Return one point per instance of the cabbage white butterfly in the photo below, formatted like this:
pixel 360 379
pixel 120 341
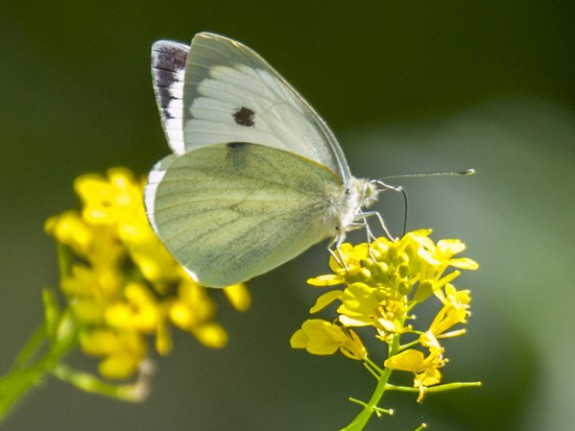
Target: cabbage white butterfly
pixel 256 177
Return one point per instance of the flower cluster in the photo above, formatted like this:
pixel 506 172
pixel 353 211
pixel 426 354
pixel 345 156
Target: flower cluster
pixel 121 284
pixel 383 282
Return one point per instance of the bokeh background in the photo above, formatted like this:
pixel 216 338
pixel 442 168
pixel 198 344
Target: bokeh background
pixel 408 86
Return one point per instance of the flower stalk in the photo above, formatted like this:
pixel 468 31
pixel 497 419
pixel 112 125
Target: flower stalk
pixel 32 366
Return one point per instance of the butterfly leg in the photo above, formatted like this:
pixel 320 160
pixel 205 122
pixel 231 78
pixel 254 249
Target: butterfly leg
pixel 365 215
pixel 369 234
pixel 337 255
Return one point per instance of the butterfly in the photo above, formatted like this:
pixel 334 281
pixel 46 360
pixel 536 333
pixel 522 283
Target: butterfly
pixel 256 176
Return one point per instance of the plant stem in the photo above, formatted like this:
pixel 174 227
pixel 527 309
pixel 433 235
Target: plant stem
pixel 30 370
pixel 371 406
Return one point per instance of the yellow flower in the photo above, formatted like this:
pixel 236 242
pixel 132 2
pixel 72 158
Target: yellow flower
pixel 122 351
pixel 320 337
pixel 449 247
pixel 362 305
pixel 437 259
pixel 192 310
pixel 382 282
pixel 426 369
pixel 455 310
pixel 156 264
pixel 70 229
pixel 84 281
pixel 108 200
pixel 137 310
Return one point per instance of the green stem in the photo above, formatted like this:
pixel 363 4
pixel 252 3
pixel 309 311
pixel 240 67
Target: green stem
pixel 30 349
pixel 370 408
pixel 29 370
pixel 131 392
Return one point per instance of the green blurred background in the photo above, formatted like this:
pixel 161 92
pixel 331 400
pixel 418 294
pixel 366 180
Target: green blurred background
pixel 408 86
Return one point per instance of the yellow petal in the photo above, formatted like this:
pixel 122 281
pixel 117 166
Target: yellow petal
pixel 464 263
pixel 298 340
pixel 408 360
pixel 326 280
pixel 211 335
pixel 450 246
pixel 325 299
pixel 239 296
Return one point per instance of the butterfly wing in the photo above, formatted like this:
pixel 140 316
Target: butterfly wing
pixel 229 212
pixel 231 94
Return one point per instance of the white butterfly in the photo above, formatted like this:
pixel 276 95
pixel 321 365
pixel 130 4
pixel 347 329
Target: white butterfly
pixel 256 176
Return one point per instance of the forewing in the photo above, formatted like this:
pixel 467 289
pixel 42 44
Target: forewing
pixel 168 66
pixel 231 212
pixel 232 94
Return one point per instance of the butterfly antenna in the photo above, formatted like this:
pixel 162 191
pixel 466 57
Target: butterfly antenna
pixel 465 172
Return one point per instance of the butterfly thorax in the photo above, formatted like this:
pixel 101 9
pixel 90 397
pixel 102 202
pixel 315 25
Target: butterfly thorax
pixel 359 193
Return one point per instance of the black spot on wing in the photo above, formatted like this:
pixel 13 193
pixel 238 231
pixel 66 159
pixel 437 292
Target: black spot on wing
pixel 244 117
pixel 236 145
